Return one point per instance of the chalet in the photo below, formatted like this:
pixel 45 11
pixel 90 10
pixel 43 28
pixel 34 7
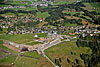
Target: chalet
pixel 91 34
pixel 42 31
pixel 42 39
pixel 72 33
pixel 84 35
pixel 40 19
pixel 11 32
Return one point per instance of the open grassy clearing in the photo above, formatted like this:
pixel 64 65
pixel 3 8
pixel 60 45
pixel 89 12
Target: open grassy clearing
pixel 22 14
pixel 21 38
pixel 63 51
pixel 5 65
pixel 17 3
pixel 26 9
pixel 57 2
pixel 36 60
pixel 92 6
pixel 33 54
pixel 13 15
pixel 2 53
pixel 34 43
pixel 8 14
pixel 69 24
pixel 3 5
pixel 31 62
pixel 42 15
pixel 25 62
pixel 88 6
pixel 8 60
pixel 97 4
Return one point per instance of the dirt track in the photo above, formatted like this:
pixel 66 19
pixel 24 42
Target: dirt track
pixel 11 47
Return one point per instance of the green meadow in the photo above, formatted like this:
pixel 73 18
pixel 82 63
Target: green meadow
pixel 63 51
pixel 21 38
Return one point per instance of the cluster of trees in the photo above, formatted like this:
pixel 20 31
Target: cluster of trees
pixel 96 20
pixel 75 63
pixel 56 13
pixel 1 29
pixel 18 11
pixel 98 28
pixel 92 59
pixel 57 61
pixel 1 1
pixel 1 17
pixel 90 0
pixel 6 2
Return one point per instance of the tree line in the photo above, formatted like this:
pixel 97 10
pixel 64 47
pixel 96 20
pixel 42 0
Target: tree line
pixel 92 58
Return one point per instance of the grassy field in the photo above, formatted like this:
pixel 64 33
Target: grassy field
pixel 3 5
pixel 17 3
pixel 8 14
pixel 33 59
pixel 91 6
pixel 25 62
pixel 42 15
pixel 69 24
pixel 31 62
pixel 21 38
pixel 8 60
pixel 57 2
pixel 33 54
pixel 63 51
pixel 26 9
pixel 36 60
pixel 34 43
pixel 88 6
pixel 95 4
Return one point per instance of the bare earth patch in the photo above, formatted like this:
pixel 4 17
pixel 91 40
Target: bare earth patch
pixel 71 17
pixel 43 62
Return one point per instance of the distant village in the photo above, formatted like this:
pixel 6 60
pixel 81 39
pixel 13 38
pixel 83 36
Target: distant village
pixel 22 25
pixel 28 23
pixel 33 4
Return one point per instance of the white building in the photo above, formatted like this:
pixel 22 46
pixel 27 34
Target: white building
pixel 35 36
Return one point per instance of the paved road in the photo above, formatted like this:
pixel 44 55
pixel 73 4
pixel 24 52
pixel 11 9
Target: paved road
pixel 55 42
pixel 46 46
